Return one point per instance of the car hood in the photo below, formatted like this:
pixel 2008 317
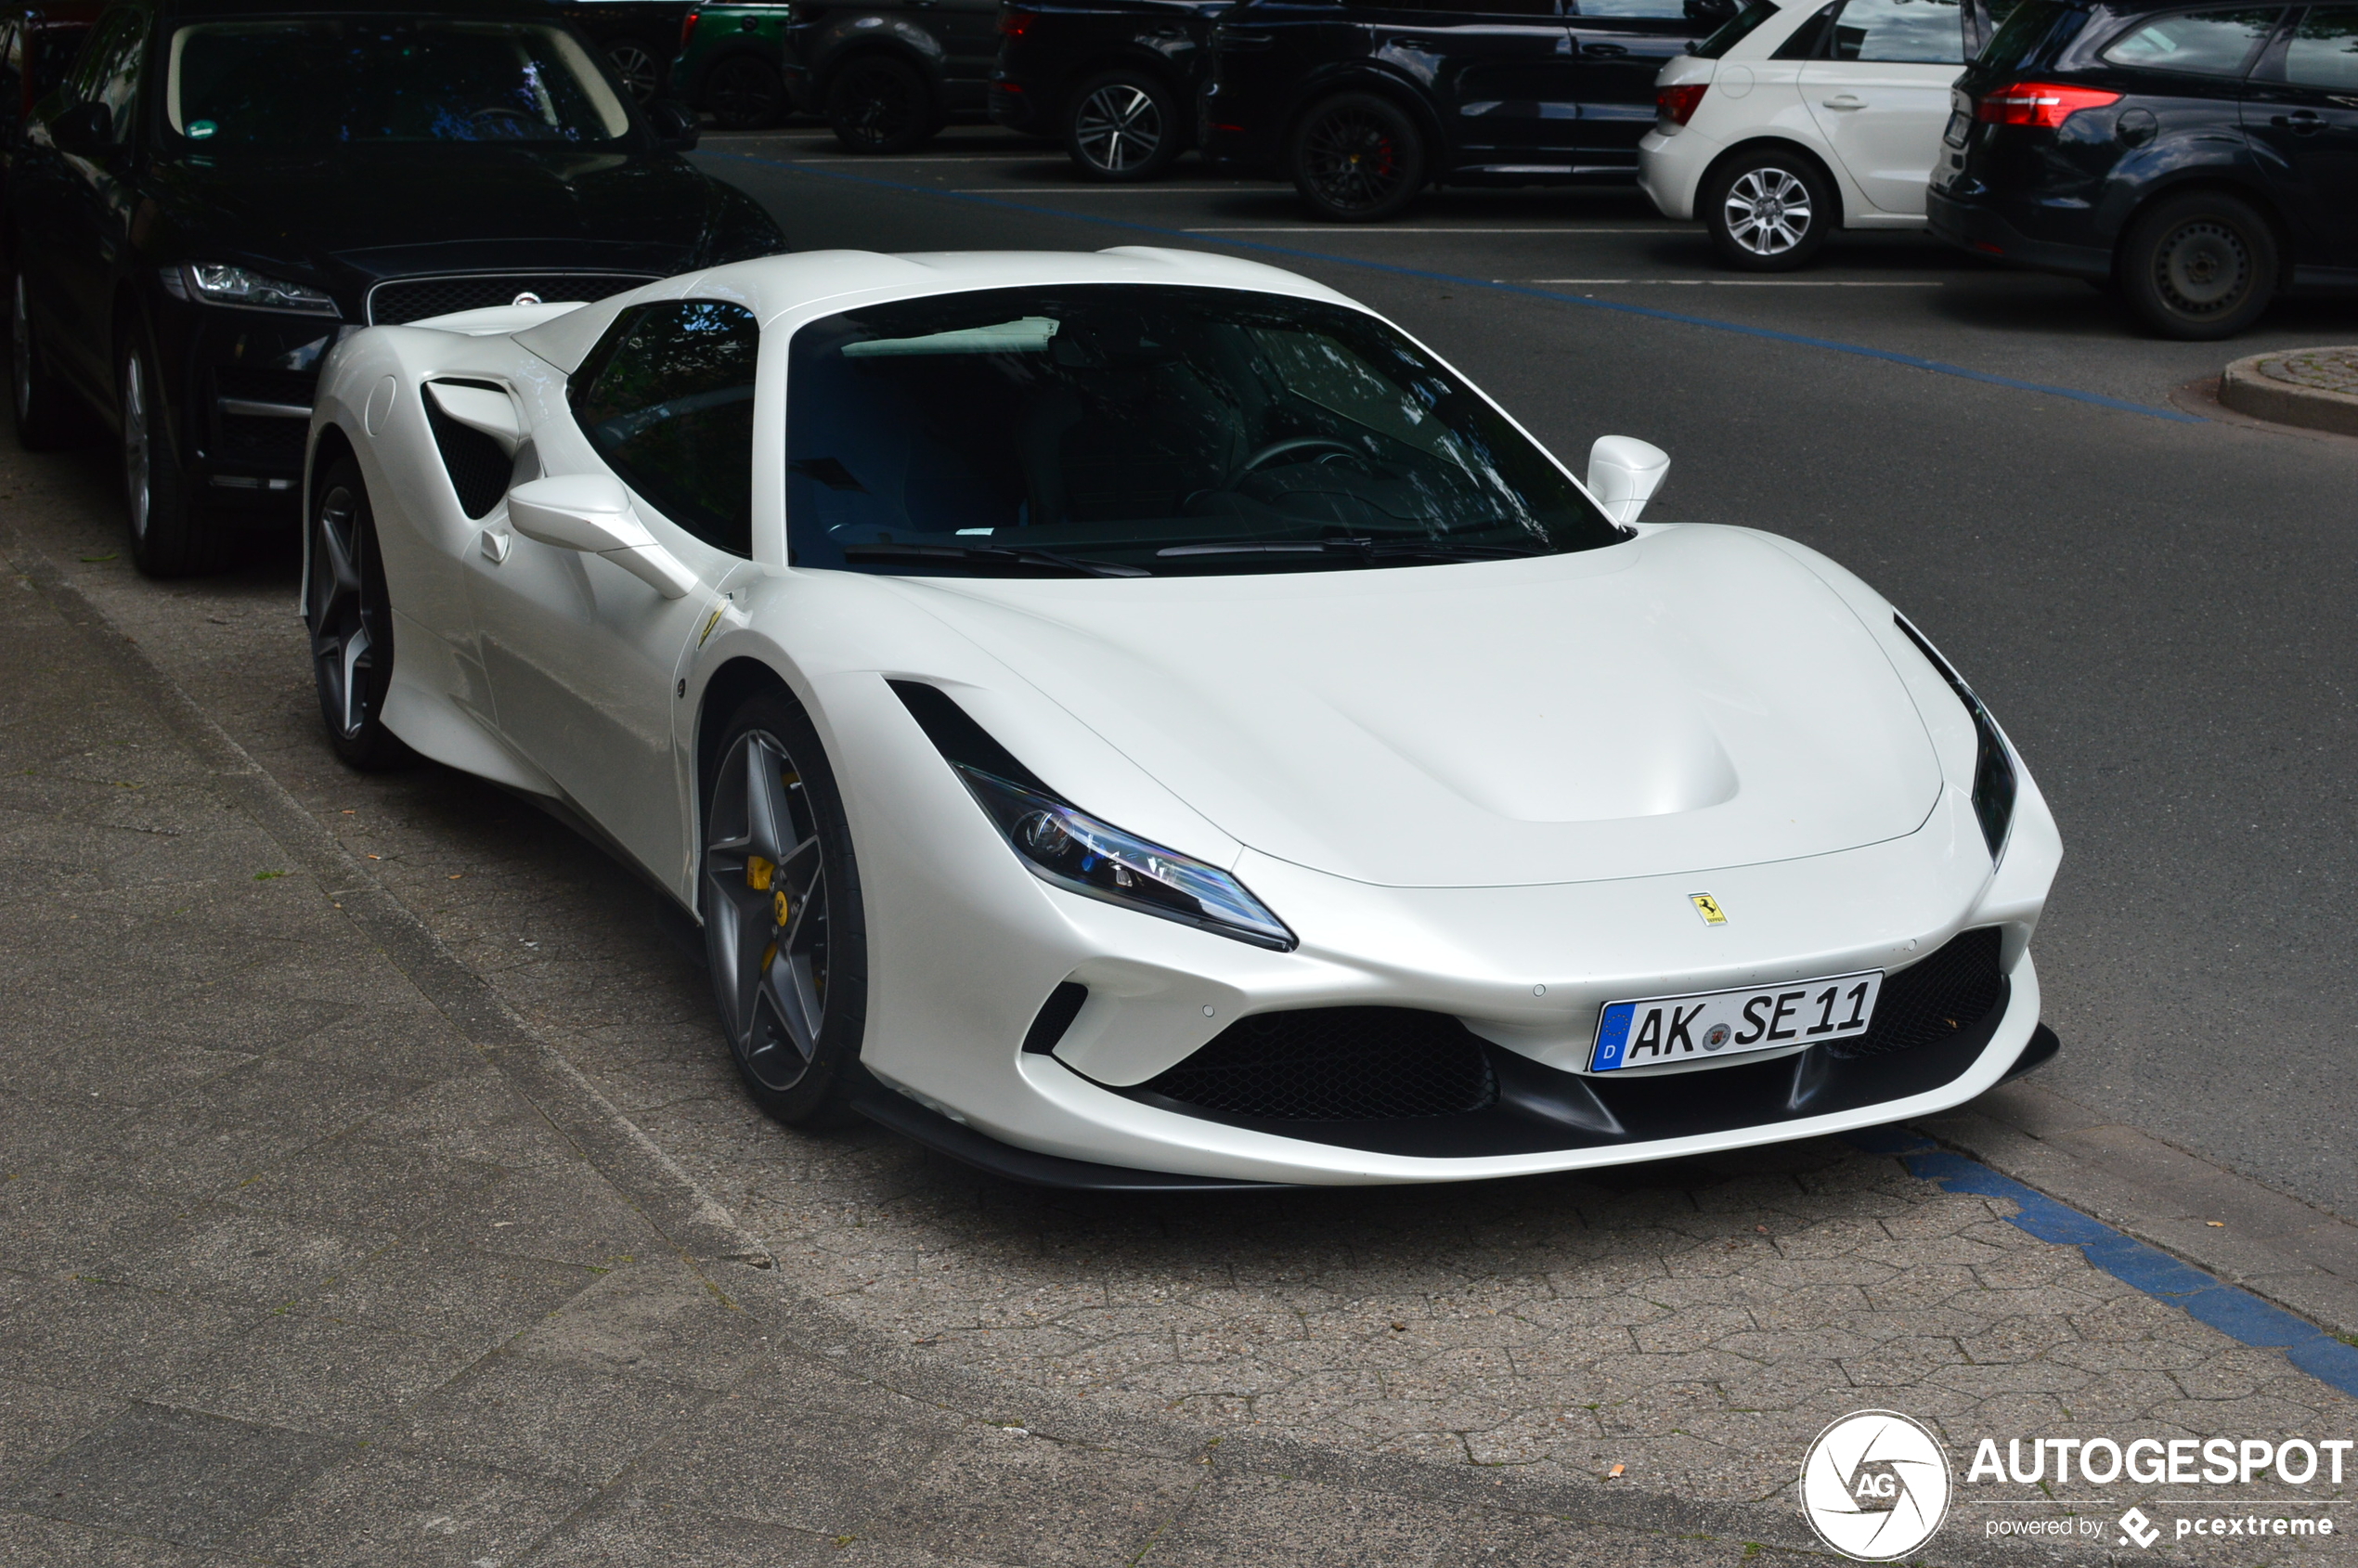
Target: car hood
pixel 1690 699
pixel 388 211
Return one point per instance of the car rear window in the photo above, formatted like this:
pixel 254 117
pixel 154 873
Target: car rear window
pixel 2324 52
pixel 2205 42
pixel 2035 31
pixel 1734 31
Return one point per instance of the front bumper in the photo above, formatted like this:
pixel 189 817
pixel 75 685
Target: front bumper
pixel 242 384
pixel 1977 227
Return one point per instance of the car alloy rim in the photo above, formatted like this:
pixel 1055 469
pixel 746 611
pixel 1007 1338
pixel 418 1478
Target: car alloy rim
pixel 880 106
pixel 20 349
pixel 2204 269
pixel 636 67
pixel 1350 160
pixel 1768 211
pixel 347 617
pixel 741 92
pixel 1118 127
pixel 765 911
pixel 139 458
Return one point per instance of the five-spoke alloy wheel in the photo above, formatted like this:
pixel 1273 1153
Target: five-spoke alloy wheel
pixel 350 615
pixel 1122 126
pixel 171 537
pixel 1767 212
pixel 780 895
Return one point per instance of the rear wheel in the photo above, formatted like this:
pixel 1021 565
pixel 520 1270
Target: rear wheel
pixel 1123 126
pixel 879 104
pixel 785 935
pixel 1357 158
pixel 634 59
pixel 350 615
pixel 745 93
pixel 171 535
pixel 1769 210
pixel 2199 266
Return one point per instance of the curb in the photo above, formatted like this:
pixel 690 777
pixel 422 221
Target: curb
pixel 2247 389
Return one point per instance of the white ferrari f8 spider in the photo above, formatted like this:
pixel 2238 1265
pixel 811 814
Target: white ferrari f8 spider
pixel 1142 722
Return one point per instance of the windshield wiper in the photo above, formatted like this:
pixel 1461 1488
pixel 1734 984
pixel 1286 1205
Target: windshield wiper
pixel 991 555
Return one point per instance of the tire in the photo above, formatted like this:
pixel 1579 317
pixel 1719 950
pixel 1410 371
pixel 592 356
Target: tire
pixel 635 61
pixel 47 417
pixel 784 934
pixel 1357 158
pixel 878 104
pixel 171 535
pixel 1122 125
pixel 349 610
pixel 745 93
pixel 2198 267
pixel 1768 210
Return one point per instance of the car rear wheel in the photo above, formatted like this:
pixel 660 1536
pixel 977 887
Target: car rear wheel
pixel 745 93
pixel 1768 211
pixel 171 537
pixel 785 936
pixel 879 104
pixel 350 613
pixel 47 417
pixel 2199 266
pixel 635 61
pixel 1123 126
pixel 1357 158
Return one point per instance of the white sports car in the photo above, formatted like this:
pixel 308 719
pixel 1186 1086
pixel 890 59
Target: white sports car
pixel 1140 720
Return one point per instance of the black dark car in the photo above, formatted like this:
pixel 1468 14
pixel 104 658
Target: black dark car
pixel 218 190
pixel 1363 103
pixel 2199 159
pixel 37 42
pixel 1114 80
pixel 637 37
pixel 887 76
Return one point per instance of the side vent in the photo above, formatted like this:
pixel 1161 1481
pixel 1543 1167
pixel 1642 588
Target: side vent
pixel 1056 1017
pixel 478 467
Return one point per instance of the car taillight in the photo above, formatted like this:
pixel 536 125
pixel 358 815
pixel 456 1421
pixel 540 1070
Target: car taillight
pixel 2044 105
pixel 688 28
pixel 1677 104
pixel 1014 21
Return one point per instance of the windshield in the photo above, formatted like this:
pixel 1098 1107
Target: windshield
pixel 1122 429
pixel 297 84
pixel 1734 31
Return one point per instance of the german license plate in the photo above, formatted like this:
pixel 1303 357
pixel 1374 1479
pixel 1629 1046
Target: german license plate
pixel 1959 124
pixel 1714 1025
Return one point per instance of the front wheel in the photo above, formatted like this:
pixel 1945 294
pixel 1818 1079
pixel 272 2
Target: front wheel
pixel 1769 210
pixel 1123 126
pixel 2198 267
pixel 879 104
pixel 46 415
pixel 637 63
pixel 171 537
pixel 784 934
pixel 745 93
pixel 349 611
pixel 1357 158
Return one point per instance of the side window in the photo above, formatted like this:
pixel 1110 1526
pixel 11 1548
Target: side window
pixel 2205 42
pixel 1900 33
pixel 667 399
pixel 1808 41
pixel 1658 10
pixel 50 50
pixel 107 69
pixel 1465 7
pixel 11 75
pixel 2323 52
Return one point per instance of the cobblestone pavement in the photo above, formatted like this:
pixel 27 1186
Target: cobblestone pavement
pixel 357 1177
pixel 2326 369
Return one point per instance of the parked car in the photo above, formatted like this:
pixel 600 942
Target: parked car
pixel 1363 103
pixel 1114 80
pixel 219 190
pixel 1110 715
pixel 1794 121
pixel 637 37
pixel 37 42
pixel 734 66
pixel 2199 160
pixel 887 76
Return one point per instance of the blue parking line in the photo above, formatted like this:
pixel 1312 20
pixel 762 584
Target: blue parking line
pixel 2235 1311
pixel 1834 345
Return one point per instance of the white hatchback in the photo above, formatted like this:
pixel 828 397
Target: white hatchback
pixel 1793 119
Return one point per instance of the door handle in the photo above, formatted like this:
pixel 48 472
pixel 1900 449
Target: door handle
pixel 2300 121
pixel 1845 101
pixel 1604 51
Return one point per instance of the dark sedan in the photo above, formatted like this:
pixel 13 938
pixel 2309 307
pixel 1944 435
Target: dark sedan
pixel 1114 80
pixel 218 190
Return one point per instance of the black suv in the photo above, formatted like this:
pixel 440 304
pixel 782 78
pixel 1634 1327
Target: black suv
pixel 221 187
pixel 887 76
pixel 1362 103
pixel 1114 80
pixel 2199 159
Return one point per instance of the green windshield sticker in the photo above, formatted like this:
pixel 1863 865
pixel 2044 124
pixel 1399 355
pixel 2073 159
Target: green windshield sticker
pixel 200 129
pixel 1027 335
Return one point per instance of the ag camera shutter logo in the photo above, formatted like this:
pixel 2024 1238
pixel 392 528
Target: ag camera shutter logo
pixel 1875 1486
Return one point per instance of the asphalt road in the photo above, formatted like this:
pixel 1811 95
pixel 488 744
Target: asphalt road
pixel 2152 598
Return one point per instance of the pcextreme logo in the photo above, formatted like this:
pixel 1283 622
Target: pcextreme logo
pixel 1875 1486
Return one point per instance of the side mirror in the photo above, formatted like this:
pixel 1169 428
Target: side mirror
pixel 84 130
pixel 675 125
pixel 1623 473
pixel 591 512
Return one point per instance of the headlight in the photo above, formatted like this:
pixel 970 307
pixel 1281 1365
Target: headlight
pixel 1993 771
pixel 235 285
pixel 1063 845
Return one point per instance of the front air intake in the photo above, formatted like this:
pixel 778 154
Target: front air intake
pixel 1935 999
pixel 1334 1064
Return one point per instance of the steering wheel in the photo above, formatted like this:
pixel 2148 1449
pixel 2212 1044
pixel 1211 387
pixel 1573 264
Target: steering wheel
pixel 1298 444
pixel 502 111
